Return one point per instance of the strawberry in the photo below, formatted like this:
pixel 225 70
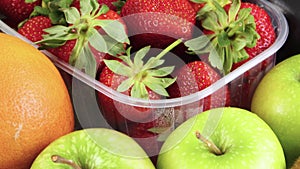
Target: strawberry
pixel 243 31
pixel 90 36
pixel 265 30
pixel 64 52
pixel 136 79
pixel 33 28
pixel 243 93
pixel 16 11
pixel 158 22
pixel 196 76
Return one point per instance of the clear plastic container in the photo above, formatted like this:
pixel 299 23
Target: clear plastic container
pixel 162 116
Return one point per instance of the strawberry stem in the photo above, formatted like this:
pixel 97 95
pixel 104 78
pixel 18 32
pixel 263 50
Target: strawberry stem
pixel 169 48
pixel 59 159
pixel 211 146
pixel 162 53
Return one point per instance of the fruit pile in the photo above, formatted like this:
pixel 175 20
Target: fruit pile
pixel 151 50
pixel 100 37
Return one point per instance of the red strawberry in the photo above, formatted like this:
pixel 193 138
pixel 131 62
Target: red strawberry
pixel 33 28
pixel 17 11
pixel 136 79
pixel 265 30
pixel 64 52
pixel 244 90
pixel 88 39
pixel 194 77
pixel 237 38
pixel 158 22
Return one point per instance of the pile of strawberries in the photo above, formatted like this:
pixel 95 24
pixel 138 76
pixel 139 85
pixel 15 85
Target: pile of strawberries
pixel 114 41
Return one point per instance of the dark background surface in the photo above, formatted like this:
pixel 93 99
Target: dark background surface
pixel 291 10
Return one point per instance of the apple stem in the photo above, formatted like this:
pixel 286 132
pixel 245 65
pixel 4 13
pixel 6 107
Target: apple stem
pixel 59 159
pixel 212 147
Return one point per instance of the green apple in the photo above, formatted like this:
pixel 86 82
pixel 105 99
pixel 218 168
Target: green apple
pixel 94 148
pixel 277 101
pixel 240 140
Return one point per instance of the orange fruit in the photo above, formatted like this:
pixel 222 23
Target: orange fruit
pixel 35 106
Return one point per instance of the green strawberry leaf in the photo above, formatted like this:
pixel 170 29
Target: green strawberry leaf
pixel 140 54
pixel 114 29
pixel 209 5
pixel 91 65
pixel 158 85
pixel 228 59
pixel 233 10
pixel 40 10
pixel 53 44
pixel 86 62
pixel 139 91
pixel 126 58
pixel 114 48
pixel 86 7
pixel 53 9
pixel 216 58
pixel 223 39
pixel 125 85
pixel 103 9
pixel 52 40
pixel 153 62
pixel 56 30
pixel 161 72
pixel 211 22
pixel 72 15
pixel 98 42
pixel 30 1
pixel 60 3
pixel 118 67
pixel 221 14
pixel 198 43
pixel 57 18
